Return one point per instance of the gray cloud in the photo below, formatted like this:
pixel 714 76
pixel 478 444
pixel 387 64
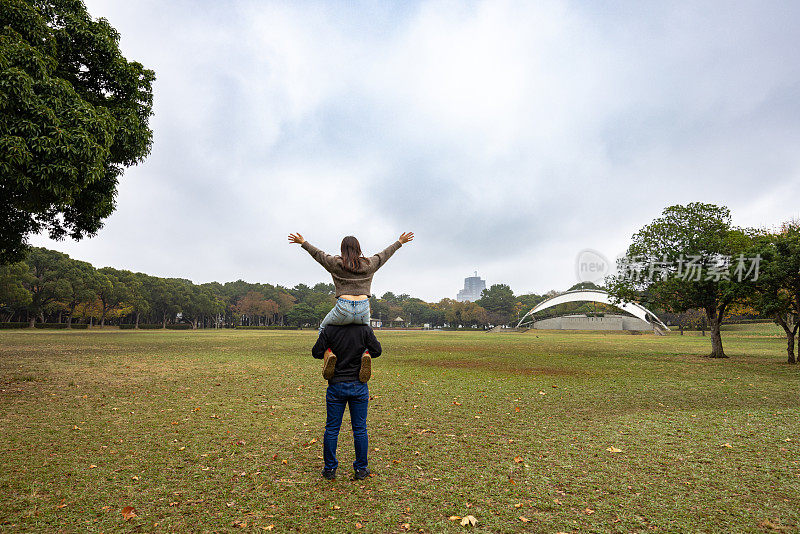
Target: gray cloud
pixel 507 135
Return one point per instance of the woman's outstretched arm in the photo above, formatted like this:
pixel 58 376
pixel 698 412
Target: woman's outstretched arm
pixel 326 260
pixel 382 257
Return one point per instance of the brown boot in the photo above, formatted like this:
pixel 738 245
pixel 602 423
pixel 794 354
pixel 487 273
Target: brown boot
pixel 328 364
pixel 366 367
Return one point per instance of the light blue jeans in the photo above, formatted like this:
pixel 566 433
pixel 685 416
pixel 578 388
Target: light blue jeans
pixel 347 312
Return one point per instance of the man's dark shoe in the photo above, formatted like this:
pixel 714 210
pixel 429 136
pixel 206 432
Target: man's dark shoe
pixel 328 364
pixel 361 474
pixel 366 367
pixel 329 474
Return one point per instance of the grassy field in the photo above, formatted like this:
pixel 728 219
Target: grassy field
pixel 221 431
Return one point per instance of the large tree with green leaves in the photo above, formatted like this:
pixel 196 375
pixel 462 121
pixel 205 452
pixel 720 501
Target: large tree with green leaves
pixel 499 302
pixel 14 295
pixel 73 114
pixel 677 262
pixel 778 286
pixel 81 285
pixel 45 282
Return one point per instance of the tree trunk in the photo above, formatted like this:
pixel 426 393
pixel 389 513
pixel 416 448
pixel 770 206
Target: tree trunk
pixel 715 320
pixel 137 320
pixel 32 320
pixel 790 329
pixel 164 324
pixel 194 324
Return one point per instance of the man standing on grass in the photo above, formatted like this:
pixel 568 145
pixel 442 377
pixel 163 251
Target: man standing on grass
pixel 345 387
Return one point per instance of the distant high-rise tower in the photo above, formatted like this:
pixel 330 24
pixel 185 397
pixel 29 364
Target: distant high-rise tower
pixel 473 287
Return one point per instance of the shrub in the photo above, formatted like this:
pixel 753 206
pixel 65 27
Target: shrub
pixel 56 326
pixel 14 325
pixel 150 326
pixel 179 326
pixel 79 326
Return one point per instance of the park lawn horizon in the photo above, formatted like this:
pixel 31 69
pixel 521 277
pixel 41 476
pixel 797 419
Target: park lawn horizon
pixel 221 430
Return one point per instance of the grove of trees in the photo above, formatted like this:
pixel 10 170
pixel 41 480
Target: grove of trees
pixel 50 287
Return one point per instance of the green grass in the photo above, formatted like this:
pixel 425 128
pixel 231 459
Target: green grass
pixel 204 431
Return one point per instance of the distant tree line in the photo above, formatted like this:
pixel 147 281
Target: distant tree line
pixel 50 287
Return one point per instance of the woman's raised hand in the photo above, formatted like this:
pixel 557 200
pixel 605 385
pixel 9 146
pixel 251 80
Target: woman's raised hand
pixel 405 237
pixel 296 238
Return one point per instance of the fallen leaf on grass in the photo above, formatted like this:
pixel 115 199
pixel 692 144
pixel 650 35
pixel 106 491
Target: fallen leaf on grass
pixel 524 519
pixel 128 513
pixel 62 505
pixel 454 517
pixel 134 477
pixel 468 520
pixel 285 462
pixel 727 445
pixel 766 523
pixel 240 524
pixel 268 527
pixel 589 511
pixel 359 525
pixel 518 459
pixel 613 449
pixel 518 505
pixel 92 466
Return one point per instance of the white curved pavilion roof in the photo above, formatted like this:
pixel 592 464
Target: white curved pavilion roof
pixel 596 295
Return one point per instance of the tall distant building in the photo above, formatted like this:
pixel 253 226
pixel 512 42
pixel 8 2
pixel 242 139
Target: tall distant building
pixel 473 287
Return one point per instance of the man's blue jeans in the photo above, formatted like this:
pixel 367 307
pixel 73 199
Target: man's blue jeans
pixel 356 394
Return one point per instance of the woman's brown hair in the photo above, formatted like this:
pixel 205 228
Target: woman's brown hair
pixel 351 254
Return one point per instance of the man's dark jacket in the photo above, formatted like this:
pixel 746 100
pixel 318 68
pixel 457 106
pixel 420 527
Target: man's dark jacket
pixel 348 343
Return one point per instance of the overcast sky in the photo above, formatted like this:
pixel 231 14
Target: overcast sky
pixel 507 135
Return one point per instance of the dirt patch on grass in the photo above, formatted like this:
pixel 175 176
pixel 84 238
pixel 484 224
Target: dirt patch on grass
pixel 501 367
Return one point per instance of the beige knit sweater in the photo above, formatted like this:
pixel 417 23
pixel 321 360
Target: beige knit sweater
pixel 348 282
